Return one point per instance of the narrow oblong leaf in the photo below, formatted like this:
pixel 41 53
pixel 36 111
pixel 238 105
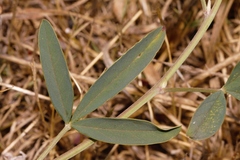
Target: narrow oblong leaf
pixel 124 131
pixel 55 71
pixel 232 86
pixel 122 72
pixel 209 117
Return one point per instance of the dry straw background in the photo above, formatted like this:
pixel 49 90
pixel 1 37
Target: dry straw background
pixel 95 33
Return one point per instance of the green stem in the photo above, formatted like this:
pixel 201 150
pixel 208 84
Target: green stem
pixel 206 90
pixel 74 151
pixel 158 88
pixel 204 6
pixel 139 103
pixel 203 28
pixel 66 128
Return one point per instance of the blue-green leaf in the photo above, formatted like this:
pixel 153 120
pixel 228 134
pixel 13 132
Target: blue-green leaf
pixel 232 86
pixel 209 117
pixel 124 131
pixel 122 72
pixel 55 71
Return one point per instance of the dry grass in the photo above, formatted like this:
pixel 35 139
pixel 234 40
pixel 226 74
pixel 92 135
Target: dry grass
pixel 85 29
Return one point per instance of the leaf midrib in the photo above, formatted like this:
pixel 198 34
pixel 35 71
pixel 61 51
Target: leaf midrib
pixel 92 100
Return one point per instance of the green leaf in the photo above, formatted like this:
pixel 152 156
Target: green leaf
pixel 55 71
pixel 124 131
pixel 122 72
pixel 209 117
pixel 232 86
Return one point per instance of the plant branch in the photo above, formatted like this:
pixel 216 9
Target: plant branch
pixel 66 128
pixel 74 151
pixel 204 6
pixel 206 90
pixel 158 88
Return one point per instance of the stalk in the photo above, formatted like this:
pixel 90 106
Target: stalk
pixel 66 128
pixel 159 87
